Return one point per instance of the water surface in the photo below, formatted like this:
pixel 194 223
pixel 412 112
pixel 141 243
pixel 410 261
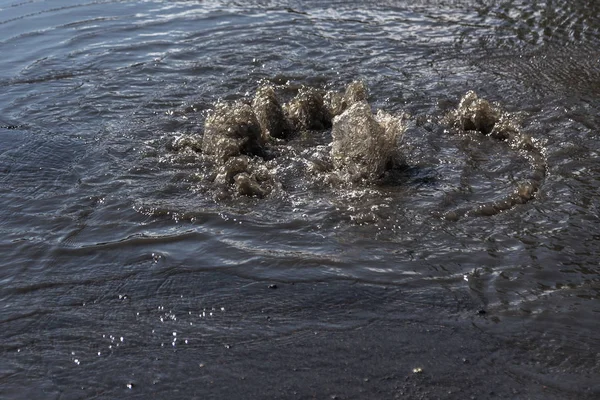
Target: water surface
pixel 124 276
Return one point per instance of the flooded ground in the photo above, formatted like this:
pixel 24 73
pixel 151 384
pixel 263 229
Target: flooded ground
pixel 464 265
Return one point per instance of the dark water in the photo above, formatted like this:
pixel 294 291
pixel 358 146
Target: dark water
pixel 123 275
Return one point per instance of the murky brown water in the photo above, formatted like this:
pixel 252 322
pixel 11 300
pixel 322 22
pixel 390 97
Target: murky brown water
pixel 127 273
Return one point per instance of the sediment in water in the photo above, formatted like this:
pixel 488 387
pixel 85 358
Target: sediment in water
pixel 183 142
pixel 233 139
pixel 336 103
pixel 307 111
pixel 363 144
pixel 269 114
pixel 474 114
pixel 232 130
pixel 240 137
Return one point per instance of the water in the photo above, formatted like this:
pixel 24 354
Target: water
pixel 126 273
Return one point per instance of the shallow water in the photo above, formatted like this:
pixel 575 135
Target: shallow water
pixel 124 275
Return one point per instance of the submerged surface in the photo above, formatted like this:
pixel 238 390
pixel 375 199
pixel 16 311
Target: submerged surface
pixel 127 272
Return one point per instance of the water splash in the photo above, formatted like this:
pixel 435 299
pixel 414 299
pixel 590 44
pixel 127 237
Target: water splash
pixel 476 115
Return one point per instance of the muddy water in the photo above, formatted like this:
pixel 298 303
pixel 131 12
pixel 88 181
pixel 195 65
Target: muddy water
pixel 128 272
